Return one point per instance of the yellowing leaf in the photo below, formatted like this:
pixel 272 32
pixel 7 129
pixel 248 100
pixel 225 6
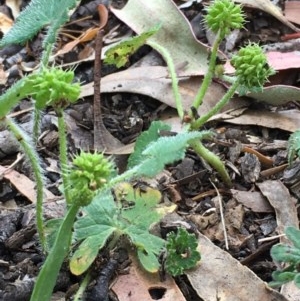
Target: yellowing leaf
pixel 87 251
pixel 119 54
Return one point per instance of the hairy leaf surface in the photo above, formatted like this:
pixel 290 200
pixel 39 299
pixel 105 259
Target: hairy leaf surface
pixel 146 137
pixel 103 219
pixel 166 150
pixel 37 15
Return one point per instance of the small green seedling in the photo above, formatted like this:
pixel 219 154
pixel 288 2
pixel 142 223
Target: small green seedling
pixel 182 253
pixel 294 146
pixel 289 255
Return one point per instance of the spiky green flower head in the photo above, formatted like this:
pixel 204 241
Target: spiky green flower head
pixel 90 172
pixel 54 86
pixel 224 15
pixel 252 69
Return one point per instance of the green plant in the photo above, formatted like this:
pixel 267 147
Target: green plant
pixel 182 253
pixel 38 14
pixel 251 73
pixel 293 146
pixel 38 85
pixel 88 181
pixel 104 221
pixel 290 256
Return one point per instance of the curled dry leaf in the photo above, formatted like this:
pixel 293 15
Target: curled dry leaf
pixel 270 8
pixel 89 34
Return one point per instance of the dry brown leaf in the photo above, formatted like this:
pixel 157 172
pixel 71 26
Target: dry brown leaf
pixel 285 120
pixel 292 11
pixel 14 5
pixel 283 60
pixel 221 277
pixel 138 284
pixel 253 200
pixel 284 205
pixel 23 184
pixel 89 34
pixel 268 7
pixel 286 215
pixel 3 75
pixel 154 81
pixel 175 34
pixel 5 23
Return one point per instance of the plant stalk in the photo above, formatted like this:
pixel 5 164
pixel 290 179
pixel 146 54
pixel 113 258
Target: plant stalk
pixel 36 125
pixel 63 153
pixel 197 124
pixel 211 159
pixel 166 55
pixel 48 274
pixel 210 72
pixel 30 152
pixel 85 282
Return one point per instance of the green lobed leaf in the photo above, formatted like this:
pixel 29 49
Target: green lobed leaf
pixel 102 218
pixel 283 276
pixel 149 261
pixel 285 253
pixel 87 251
pixel 146 137
pixel 97 216
pixel 293 234
pixel 143 213
pixel 297 280
pixel 144 240
pixel 50 228
pixel 166 150
pixel 37 15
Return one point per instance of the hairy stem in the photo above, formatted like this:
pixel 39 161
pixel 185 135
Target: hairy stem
pixel 63 153
pixel 13 95
pixel 30 152
pixel 85 282
pixel 36 124
pixel 225 99
pixel 48 274
pixel 210 72
pixel 166 55
pixel 211 159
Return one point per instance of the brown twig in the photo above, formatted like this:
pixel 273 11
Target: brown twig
pixel 99 143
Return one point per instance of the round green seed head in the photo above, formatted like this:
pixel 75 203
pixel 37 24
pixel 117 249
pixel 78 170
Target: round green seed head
pixel 224 15
pixel 54 85
pixel 90 172
pixel 252 69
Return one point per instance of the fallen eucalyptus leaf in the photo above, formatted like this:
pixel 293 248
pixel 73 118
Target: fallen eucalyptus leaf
pixel 221 277
pixel 175 33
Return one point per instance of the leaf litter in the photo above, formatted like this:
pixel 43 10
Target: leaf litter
pixel 155 82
